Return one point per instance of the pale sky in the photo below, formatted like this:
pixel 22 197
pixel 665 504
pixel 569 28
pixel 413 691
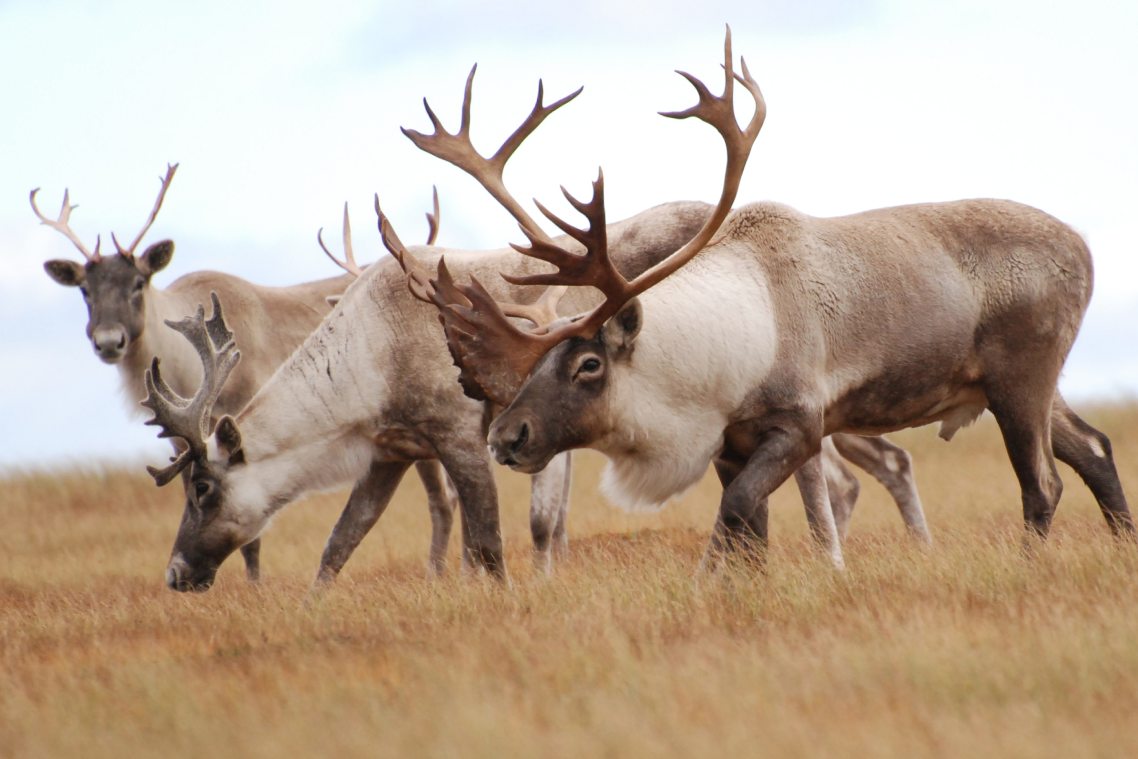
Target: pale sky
pixel 279 112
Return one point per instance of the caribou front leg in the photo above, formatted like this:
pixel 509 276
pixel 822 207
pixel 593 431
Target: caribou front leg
pixel 778 453
pixel 365 506
pixel 892 466
pixel 812 485
pixel 549 506
pixel 251 552
pixel 441 502
pixel 469 469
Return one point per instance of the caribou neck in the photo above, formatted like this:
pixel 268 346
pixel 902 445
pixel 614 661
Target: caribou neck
pixel 687 375
pixel 180 364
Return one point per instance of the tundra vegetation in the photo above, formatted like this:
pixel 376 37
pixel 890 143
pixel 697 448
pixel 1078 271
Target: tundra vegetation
pixel 967 648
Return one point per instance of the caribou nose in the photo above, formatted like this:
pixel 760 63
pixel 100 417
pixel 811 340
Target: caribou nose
pixel 506 440
pixel 176 573
pixel 109 342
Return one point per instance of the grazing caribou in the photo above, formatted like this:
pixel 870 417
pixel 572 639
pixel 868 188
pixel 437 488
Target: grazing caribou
pixel 772 329
pixel 369 392
pixel 125 324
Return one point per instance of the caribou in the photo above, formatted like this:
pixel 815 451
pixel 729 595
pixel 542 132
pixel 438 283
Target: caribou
pixel 367 394
pixel 771 329
pixel 126 313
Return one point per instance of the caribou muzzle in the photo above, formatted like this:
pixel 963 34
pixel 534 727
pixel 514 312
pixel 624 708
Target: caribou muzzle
pixel 180 576
pixel 512 441
pixel 109 343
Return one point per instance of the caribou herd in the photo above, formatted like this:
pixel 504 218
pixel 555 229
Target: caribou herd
pixel 757 339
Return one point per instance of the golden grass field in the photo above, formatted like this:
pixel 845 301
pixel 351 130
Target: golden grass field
pixel 967 649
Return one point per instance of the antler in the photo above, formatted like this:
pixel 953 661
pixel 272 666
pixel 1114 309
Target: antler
pixel 129 252
pixel 457 149
pixel 189 419
pixel 349 263
pixel 432 217
pixel 63 225
pixel 485 344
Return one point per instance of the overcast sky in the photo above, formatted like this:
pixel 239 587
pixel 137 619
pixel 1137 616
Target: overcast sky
pixel 279 112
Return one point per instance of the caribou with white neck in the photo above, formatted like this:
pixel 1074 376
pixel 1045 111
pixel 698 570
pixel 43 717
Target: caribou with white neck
pixel 772 329
pixel 368 393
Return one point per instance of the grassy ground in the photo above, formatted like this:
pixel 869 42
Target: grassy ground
pixel 966 649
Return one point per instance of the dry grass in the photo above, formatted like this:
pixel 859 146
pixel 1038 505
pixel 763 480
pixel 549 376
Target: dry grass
pixel 967 649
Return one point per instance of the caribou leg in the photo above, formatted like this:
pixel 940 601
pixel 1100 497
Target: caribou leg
pixel 251 553
pixel 812 485
pixel 741 527
pixel 365 506
pixel 1025 424
pixel 441 503
pixel 841 485
pixel 1088 452
pixel 549 506
pixel 892 466
pixel 469 469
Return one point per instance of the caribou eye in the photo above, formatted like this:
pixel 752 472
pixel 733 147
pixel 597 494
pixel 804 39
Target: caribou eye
pixel 138 285
pixel 202 489
pixel 588 369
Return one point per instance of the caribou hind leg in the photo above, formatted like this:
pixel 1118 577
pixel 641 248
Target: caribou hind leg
pixel 549 506
pixel 1025 423
pixel 365 506
pixel 1088 452
pixel 892 466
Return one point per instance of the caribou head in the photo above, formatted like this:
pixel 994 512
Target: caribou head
pixel 208 533
pixel 114 287
pixel 557 379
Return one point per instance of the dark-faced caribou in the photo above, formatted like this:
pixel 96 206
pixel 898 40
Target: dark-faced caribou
pixel 497 384
pixel 369 392
pixel 772 329
pixel 126 315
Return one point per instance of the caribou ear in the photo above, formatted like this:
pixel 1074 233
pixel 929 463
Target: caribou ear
pixel 621 330
pixel 229 440
pixel 156 257
pixel 66 273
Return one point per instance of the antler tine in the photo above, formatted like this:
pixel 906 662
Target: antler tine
pixel 418 281
pixel 349 264
pixel 542 312
pixel 593 268
pixel 63 224
pixel 433 217
pixel 128 252
pixel 494 355
pixel 457 149
pixel 719 112
pixel 189 419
